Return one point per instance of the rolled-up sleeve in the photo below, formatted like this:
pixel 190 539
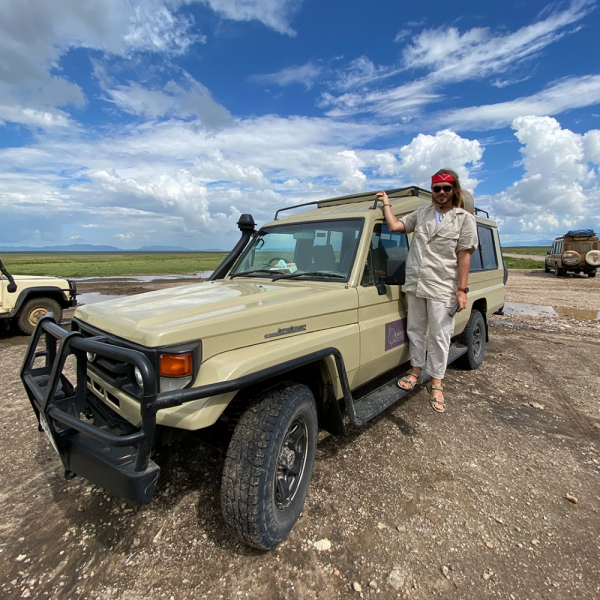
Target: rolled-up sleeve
pixel 467 239
pixel 410 221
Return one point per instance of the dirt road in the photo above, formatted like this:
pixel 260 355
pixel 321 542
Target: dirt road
pixel 530 256
pixel 467 505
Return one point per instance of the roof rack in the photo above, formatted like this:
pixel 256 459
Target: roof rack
pixel 480 210
pixel 362 197
pixel 580 233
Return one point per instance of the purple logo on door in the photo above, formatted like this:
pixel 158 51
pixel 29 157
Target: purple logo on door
pixel 395 334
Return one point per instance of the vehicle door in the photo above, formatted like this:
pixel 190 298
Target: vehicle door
pixel 381 318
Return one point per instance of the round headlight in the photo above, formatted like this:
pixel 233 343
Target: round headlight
pixel 91 357
pixel 138 378
pixel 570 258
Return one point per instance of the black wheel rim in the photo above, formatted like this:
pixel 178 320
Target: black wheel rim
pixel 477 339
pixel 291 462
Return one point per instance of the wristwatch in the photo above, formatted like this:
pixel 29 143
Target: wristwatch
pixel 465 290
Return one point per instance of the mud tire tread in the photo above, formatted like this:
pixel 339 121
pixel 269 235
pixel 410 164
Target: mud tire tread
pixel 469 360
pixel 247 502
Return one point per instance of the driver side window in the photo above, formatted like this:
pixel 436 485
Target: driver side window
pixel 384 245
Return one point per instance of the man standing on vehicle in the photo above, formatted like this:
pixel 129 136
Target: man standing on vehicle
pixel 437 270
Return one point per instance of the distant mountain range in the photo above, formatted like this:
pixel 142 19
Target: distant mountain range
pixel 94 248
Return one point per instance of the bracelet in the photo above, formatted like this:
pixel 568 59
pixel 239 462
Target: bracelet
pixel 386 205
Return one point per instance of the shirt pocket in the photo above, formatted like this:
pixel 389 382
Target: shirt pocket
pixel 445 243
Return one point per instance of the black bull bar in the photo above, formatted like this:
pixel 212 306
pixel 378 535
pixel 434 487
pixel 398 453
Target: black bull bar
pixel 119 462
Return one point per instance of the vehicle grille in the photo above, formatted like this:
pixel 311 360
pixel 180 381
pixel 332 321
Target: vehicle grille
pixel 116 373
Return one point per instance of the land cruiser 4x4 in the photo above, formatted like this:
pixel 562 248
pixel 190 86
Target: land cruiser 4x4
pixel 25 299
pixel 303 326
pixel 577 251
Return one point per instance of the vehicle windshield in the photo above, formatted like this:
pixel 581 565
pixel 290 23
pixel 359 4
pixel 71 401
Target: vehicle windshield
pixel 320 249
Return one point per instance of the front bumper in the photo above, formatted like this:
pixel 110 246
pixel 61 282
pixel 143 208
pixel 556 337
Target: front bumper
pixel 91 439
pixel 95 442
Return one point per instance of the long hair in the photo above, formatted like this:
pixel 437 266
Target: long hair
pixel 457 197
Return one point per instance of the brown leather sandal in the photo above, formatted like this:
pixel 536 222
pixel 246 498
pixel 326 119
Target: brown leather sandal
pixel 433 400
pixel 410 385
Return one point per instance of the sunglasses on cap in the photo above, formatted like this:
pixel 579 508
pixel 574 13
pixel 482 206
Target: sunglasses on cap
pixel 439 188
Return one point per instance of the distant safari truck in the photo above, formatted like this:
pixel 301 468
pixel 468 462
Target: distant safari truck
pixel 577 251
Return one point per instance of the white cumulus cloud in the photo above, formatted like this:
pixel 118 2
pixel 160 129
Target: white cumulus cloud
pixel 426 154
pixel 559 189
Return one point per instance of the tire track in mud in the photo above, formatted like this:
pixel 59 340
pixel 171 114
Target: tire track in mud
pixel 579 422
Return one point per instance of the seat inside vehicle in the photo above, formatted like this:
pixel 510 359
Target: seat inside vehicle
pixel 324 258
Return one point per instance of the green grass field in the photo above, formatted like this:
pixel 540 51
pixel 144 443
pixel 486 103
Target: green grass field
pixel 105 264
pixel 523 263
pixel 537 250
pixel 108 264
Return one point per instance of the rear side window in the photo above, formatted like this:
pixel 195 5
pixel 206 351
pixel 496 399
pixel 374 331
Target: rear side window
pixel 484 258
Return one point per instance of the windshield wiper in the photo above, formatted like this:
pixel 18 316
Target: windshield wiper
pixel 311 274
pixel 255 271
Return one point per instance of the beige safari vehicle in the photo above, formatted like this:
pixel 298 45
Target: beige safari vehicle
pixel 303 326
pixel 577 251
pixel 24 299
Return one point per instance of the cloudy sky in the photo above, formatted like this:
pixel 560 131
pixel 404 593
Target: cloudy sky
pixel 131 123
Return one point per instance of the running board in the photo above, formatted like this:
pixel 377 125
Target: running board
pixel 384 396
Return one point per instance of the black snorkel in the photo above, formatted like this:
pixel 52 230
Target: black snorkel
pixel 11 288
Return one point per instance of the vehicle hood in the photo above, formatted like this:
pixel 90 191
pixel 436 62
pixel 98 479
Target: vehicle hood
pixel 235 312
pixel 40 280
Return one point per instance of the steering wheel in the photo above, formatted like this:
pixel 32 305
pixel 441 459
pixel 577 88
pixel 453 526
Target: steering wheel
pixel 275 259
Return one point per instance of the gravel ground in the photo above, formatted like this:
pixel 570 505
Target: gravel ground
pixel 498 498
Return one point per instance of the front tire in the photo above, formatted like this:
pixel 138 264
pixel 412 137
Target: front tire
pixel 473 337
pixel 33 310
pixel 269 465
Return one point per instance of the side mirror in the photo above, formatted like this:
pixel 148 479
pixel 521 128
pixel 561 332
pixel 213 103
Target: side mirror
pixel 11 288
pixel 395 271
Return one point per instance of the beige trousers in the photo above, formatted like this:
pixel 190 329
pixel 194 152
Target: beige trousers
pixel 423 313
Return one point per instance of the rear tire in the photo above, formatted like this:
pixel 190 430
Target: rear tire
pixel 473 337
pixel 505 272
pixel 592 273
pixel 33 310
pixel 269 465
pixel 558 272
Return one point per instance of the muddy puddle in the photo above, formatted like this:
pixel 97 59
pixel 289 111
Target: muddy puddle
pixel 93 298
pixel 538 310
pixel 149 278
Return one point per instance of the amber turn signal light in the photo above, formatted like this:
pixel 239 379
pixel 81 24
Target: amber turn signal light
pixel 175 365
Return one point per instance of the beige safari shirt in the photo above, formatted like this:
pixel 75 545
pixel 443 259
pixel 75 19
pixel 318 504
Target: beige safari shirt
pixel 432 263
